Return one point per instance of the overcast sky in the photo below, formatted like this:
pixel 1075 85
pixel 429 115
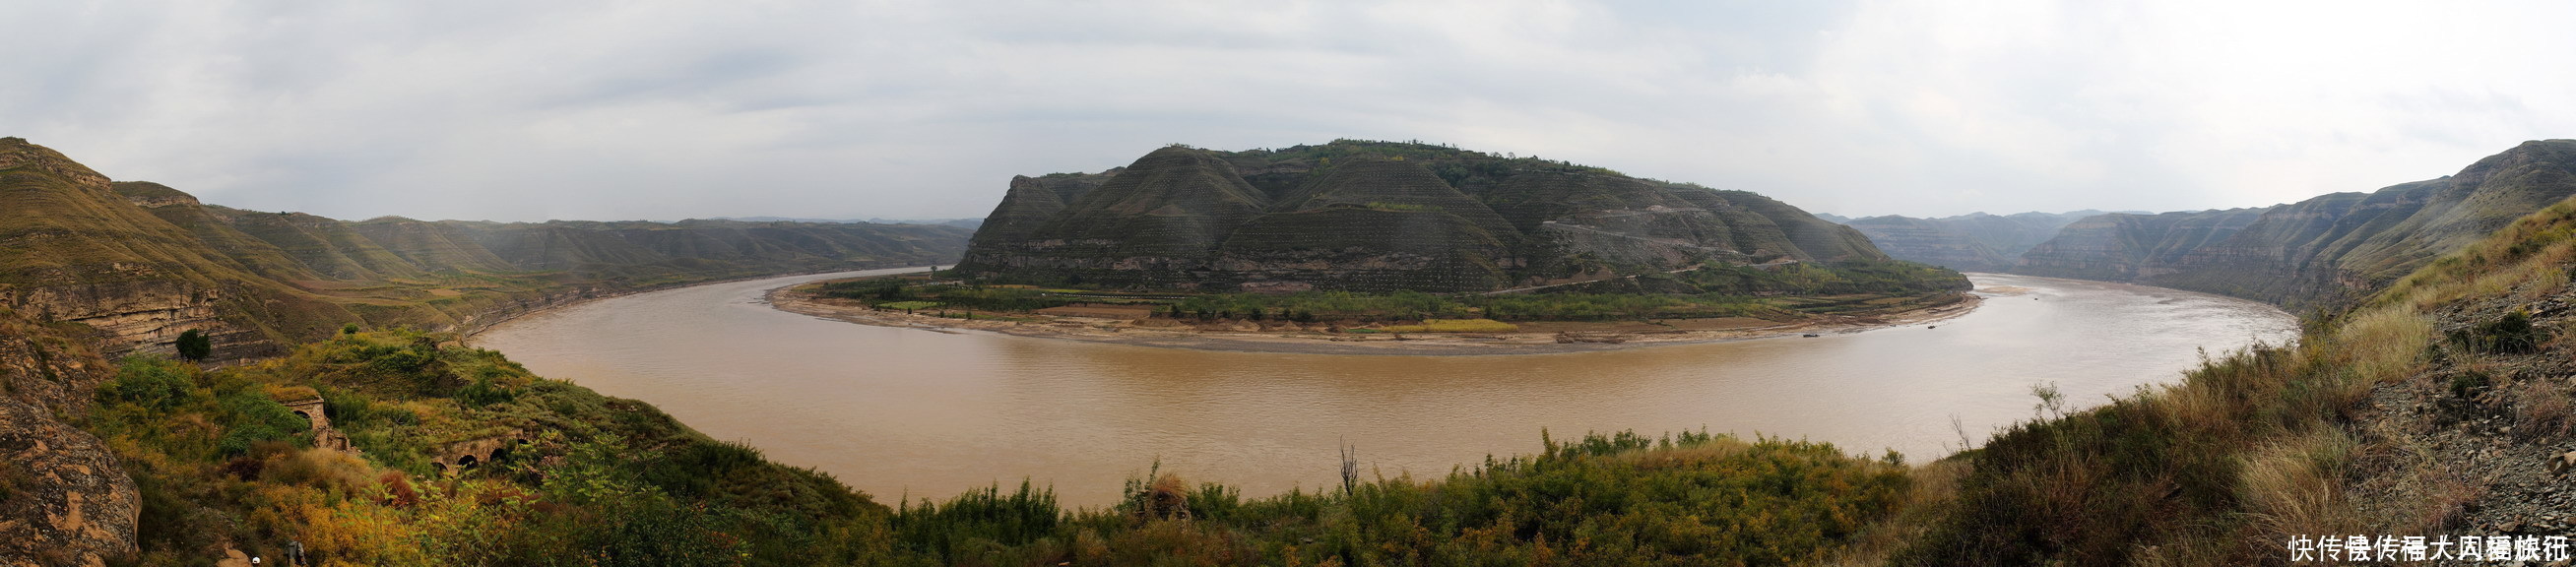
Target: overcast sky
pixel 659 110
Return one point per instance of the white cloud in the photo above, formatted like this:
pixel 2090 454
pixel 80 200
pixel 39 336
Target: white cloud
pixel 668 110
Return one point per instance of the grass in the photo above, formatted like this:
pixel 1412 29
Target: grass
pixel 615 482
pixel 1788 293
pixel 1454 326
pixel 1690 498
pixel 2255 445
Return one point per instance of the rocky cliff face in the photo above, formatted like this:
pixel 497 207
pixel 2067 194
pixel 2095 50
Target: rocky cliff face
pixel 64 500
pixel 75 248
pixel 2124 246
pixel 1976 242
pixel 2320 250
pixel 1376 216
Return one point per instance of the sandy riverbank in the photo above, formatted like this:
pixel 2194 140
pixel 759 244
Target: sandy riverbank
pixel 1533 338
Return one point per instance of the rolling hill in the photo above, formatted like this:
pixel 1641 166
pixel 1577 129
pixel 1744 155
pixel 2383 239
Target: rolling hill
pixel 2331 248
pixel 1974 242
pixel 144 262
pixel 1377 216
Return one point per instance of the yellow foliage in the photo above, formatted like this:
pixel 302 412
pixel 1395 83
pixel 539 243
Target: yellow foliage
pixel 291 393
pixel 2293 486
pixel 2384 344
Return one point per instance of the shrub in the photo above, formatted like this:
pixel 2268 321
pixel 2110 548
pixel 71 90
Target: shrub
pixel 2469 383
pixel 253 418
pixel 194 345
pixel 149 381
pixel 2509 334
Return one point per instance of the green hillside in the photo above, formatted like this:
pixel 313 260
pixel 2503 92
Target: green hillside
pixel 2330 249
pixel 2433 408
pixel 145 262
pixel 1975 242
pixel 1378 217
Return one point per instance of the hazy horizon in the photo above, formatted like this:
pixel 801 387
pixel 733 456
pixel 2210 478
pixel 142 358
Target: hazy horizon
pixel 509 112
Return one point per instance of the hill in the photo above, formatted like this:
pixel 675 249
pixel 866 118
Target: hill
pixel 144 262
pixel 1974 242
pixel 2332 248
pixel 2435 407
pixel 1377 217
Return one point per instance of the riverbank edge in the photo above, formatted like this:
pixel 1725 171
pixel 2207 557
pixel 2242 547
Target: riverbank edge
pixel 1123 332
pixel 467 330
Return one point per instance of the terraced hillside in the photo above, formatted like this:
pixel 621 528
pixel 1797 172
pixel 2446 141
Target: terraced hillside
pixel 2126 247
pixel 2327 249
pixel 1974 242
pixel 1378 216
pixel 143 262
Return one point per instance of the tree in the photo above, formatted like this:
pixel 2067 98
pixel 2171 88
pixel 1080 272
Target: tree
pixel 194 345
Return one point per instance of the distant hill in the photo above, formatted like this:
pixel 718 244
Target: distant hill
pixel 144 262
pixel 1974 242
pixel 960 223
pixel 2325 249
pixel 1377 216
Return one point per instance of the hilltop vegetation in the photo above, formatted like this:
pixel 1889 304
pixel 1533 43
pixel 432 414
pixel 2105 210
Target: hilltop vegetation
pixel 1377 217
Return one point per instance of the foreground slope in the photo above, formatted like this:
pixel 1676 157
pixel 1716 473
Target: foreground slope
pixel 2437 407
pixel 1378 216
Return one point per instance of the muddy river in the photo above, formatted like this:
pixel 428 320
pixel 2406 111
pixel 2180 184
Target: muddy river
pixel 899 412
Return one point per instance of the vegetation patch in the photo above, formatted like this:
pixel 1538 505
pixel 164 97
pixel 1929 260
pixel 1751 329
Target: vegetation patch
pixel 1455 326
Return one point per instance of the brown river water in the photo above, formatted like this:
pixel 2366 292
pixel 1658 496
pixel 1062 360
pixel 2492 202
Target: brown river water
pixel 924 414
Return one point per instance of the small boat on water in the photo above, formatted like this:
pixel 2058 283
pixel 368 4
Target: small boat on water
pixel 1931 326
pixel 1813 335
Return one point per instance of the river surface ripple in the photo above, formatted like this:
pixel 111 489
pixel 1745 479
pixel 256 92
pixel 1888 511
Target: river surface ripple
pixel 905 412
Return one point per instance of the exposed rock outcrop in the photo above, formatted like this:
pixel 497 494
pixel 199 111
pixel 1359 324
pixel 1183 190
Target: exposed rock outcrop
pixel 64 500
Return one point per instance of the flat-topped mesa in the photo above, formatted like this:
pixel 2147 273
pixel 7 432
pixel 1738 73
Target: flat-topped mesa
pixel 1377 217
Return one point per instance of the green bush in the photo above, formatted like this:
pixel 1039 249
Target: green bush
pixel 250 418
pixel 2511 333
pixel 149 381
pixel 194 345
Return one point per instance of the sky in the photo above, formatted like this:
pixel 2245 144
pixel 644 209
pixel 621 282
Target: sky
pixel 526 111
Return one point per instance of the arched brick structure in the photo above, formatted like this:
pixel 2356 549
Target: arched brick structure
pixel 469 454
pixel 324 436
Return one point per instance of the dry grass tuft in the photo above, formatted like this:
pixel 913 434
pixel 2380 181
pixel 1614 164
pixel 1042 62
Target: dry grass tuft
pixel 2384 345
pixel 2293 486
pixel 2545 410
